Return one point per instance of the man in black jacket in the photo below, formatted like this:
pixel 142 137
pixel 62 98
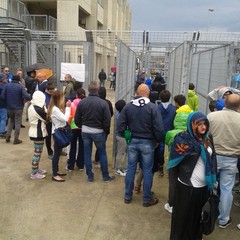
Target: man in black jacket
pixel 93 116
pixel 102 76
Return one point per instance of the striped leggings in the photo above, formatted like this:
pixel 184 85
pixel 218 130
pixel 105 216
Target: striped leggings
pixel 38 148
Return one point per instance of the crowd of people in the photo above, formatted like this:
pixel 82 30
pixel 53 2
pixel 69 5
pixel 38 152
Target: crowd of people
pixel 203 151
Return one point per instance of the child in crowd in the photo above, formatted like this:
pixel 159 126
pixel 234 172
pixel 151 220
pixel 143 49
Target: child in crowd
pixel 168 112
pixel 121 144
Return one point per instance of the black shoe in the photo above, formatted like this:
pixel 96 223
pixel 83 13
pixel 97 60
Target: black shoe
pixel 17 141
pixel 90 179
pixel 7 139
pixel 110 178
pixel 152 202
pixel 62 174
pixel 127 201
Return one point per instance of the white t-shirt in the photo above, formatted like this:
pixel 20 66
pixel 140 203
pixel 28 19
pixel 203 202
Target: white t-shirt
pixel 198 175
pixel 58 118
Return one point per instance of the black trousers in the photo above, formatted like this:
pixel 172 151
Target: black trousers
pixel 48 139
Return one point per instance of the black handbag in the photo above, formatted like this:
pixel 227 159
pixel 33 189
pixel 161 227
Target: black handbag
pixel 62 136
pixel 210 213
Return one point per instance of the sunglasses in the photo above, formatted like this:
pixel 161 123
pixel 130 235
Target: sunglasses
pixel 6 70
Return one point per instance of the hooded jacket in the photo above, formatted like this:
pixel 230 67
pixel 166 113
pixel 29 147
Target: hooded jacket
pixel 192 100
pixel 180 123
pixel 217 93
pixel 142 118
pixel 102 94
pixel 37 113
pixel 168 112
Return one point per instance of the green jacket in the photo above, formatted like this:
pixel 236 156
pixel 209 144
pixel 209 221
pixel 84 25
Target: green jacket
pixel 192 100
pixel 180 123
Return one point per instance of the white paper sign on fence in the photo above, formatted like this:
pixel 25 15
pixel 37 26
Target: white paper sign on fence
pixel 76 70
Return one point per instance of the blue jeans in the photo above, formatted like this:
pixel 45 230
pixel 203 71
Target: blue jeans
pixel 3 120
pixel 227 168
pixel 99 141
pixel 140 150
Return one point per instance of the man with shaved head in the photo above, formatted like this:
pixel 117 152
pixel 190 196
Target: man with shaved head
pixel 225 128
pixel 142 122
pixel 42 82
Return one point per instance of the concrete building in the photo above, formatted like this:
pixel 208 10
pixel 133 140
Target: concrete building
pixel 96 21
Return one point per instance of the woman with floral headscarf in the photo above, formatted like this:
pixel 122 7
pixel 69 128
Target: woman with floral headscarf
pixel 192 157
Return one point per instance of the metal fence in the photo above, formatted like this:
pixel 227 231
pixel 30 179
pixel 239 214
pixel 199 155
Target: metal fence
pixel 207 69
pixel 125 77
pixel 125 80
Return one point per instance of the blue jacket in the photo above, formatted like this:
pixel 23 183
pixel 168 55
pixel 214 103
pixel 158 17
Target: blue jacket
pixel 142 118
pixel 42 86
pixel 48 98
pixel 2 100
pixel 168 115
pixel 14 94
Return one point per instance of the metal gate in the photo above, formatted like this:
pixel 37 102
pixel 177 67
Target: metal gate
pixel 207 69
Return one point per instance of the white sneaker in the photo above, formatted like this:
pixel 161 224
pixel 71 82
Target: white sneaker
pixel 120 172
pixel 70 170
pixel 42 171
pixel 168 208
pixel 37 175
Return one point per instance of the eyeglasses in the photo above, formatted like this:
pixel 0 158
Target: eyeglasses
pixel 6 70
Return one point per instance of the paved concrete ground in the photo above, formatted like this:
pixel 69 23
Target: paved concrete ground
pixel 76 209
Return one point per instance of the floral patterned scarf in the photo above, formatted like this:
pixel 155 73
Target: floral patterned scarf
pixel 188 142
